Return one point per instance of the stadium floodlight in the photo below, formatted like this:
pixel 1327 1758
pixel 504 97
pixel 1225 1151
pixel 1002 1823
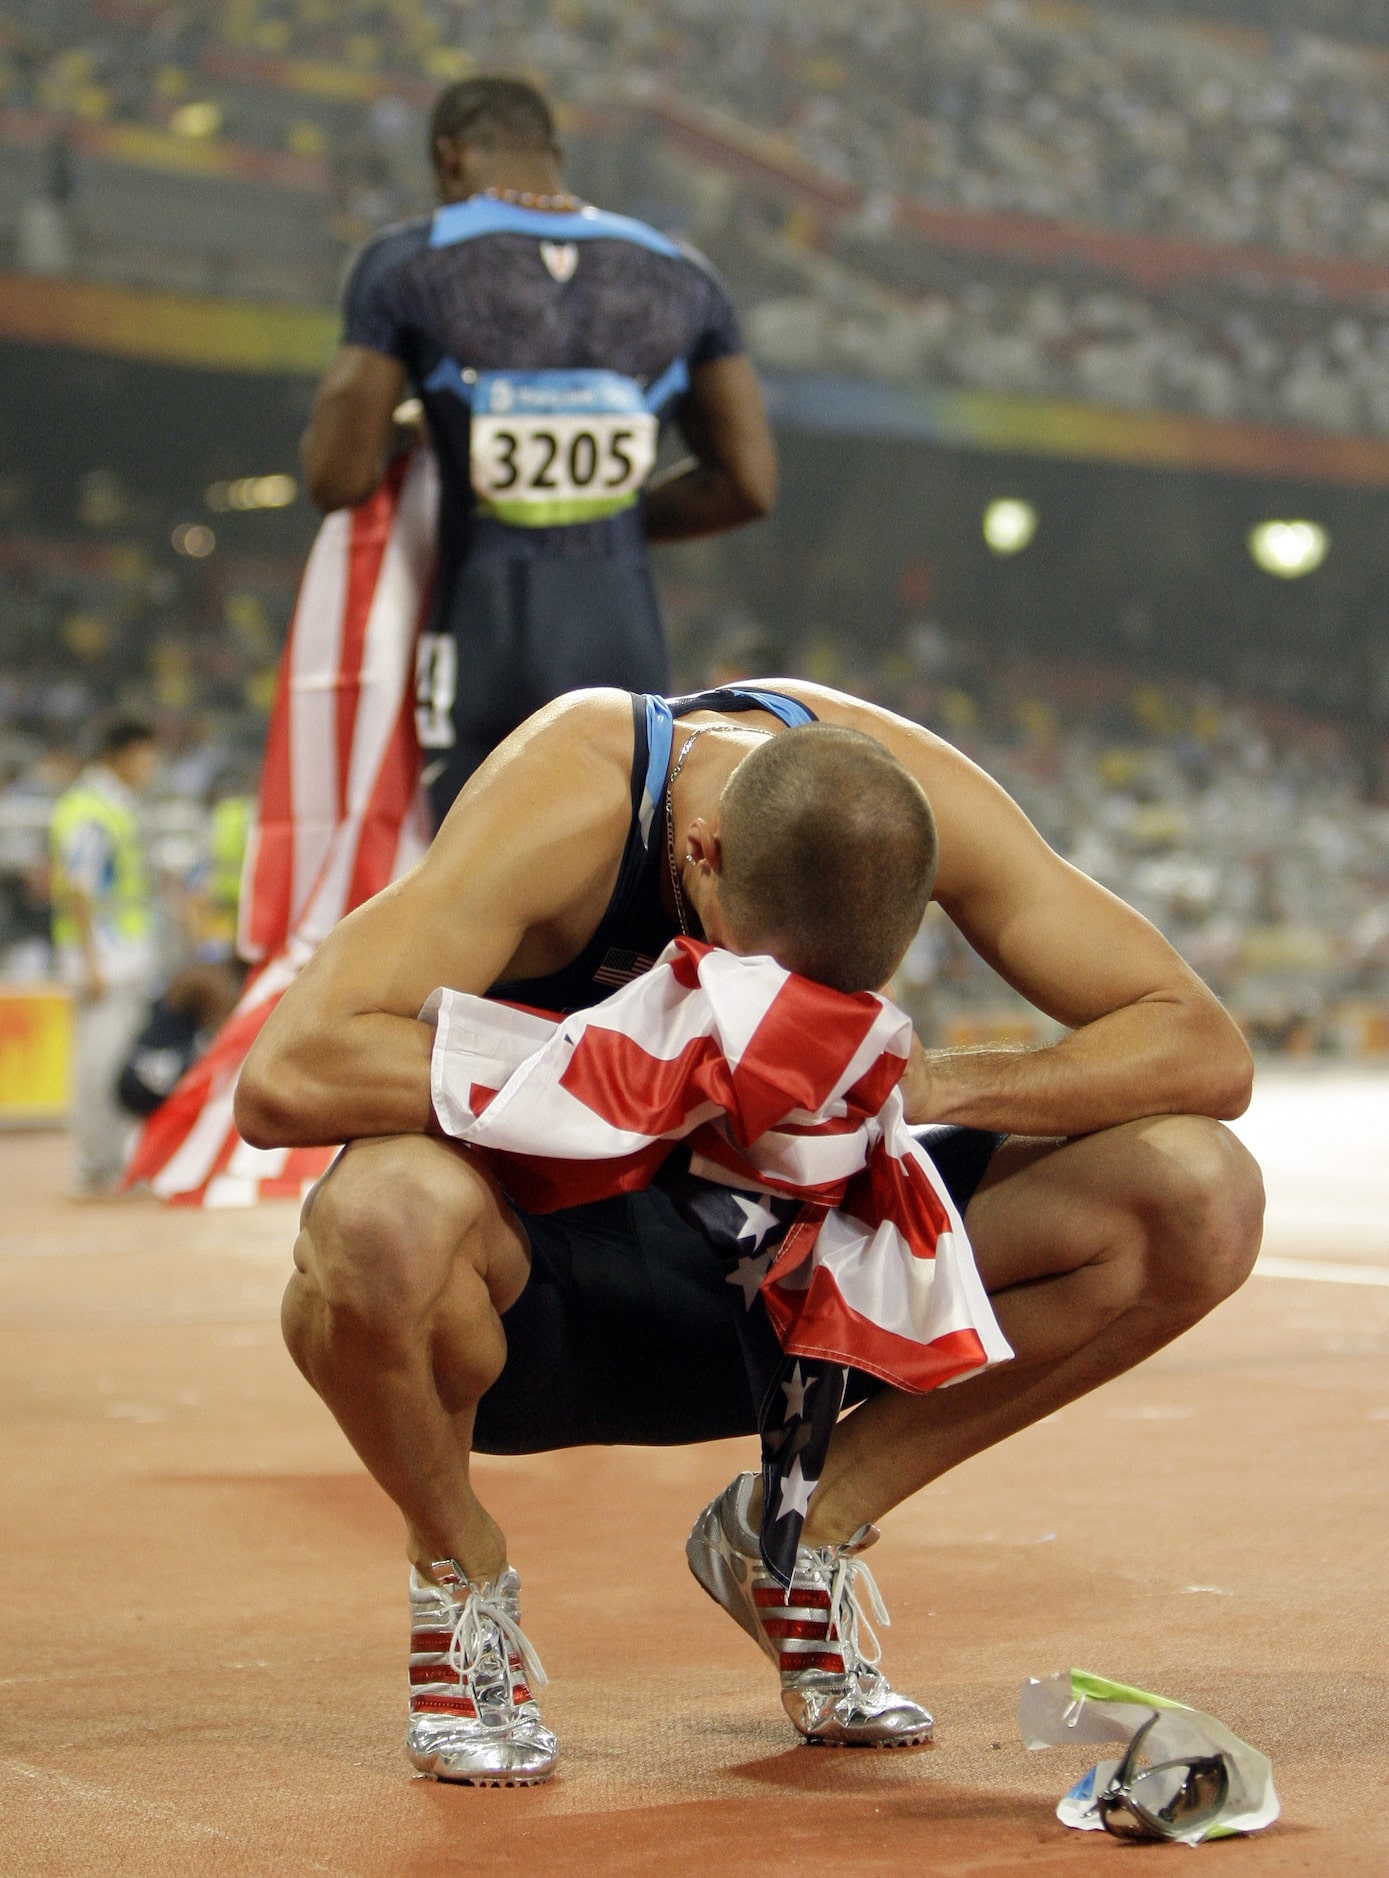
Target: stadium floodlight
pixel 1288 549
pixel 274 492
pixel 1009 525
pixel 195 539
pixel 196 121
pixel 252 492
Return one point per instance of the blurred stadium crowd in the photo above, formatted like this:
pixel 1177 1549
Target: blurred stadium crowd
pixel 1241 829
pixel 1087 114
pixel 1119 206
pixel 1095 343
pixel 1230 184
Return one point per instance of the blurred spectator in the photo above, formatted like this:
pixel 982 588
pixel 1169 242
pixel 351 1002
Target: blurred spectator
pixel 43 231
pixel 103 933
pixel 216 899
pixel 179 1028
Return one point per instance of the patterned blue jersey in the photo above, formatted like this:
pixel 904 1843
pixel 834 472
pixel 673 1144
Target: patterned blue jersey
pixel 546 348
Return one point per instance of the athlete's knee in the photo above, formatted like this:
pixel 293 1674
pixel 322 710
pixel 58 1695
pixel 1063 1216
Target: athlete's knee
pixel 380 1236
pixel 1203 1210
pixel 300 1310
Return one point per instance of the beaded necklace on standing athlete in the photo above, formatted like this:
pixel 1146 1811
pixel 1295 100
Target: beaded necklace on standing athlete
pixel 562 203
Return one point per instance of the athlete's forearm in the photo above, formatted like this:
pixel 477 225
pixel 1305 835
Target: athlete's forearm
pixel 1157 1057
pixel 342 465
pixel 350 436
pixel 706 500
pixel 305 1085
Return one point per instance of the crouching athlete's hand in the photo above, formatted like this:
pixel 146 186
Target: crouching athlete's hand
pixel 916 1084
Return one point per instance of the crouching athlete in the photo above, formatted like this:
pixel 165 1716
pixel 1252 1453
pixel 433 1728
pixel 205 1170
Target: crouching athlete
pixel 1107 1207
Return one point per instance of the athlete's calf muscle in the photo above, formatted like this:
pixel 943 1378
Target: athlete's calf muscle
pixel 1177 1192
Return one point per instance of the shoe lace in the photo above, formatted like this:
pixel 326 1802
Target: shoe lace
pixel 850 1580
pixel 482 1621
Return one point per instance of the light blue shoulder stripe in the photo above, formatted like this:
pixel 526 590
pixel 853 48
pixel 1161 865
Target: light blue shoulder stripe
pixel 674 380
pixel 660 733
pixel 790 710
pixel 480 215
pixel 448 376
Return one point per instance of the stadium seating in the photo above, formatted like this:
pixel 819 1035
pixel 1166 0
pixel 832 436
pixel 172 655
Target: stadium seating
pixel 1109 206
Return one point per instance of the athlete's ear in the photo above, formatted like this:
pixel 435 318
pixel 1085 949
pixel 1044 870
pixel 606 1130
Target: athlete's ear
pixel 450 165
pixel 702 842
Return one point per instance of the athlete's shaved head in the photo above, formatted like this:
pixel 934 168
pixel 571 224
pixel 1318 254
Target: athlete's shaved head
pixel 828 855
pixel 492 112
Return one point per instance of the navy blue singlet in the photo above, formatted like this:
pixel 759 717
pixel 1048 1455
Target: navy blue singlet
pixel 635 928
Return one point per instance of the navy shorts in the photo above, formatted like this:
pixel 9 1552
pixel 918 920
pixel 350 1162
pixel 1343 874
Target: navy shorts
pixel 523 632
pixel 626 1332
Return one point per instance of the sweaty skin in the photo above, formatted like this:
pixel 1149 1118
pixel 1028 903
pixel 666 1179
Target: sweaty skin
pixel 1097 1247
pixel 520 873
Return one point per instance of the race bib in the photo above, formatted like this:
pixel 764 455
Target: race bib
pixel 551 448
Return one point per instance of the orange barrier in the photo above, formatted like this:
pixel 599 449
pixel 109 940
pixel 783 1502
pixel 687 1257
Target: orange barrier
pixel 35 1035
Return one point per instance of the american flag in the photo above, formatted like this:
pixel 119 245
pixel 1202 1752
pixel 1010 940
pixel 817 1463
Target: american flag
pixel 794 1157
pixel 339 817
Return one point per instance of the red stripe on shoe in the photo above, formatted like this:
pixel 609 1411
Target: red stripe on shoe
pixel 442 1705
pixel 435 1672
pixel 794 1627
pixel 818 1659
pixel 430 1642
pixel 772 1597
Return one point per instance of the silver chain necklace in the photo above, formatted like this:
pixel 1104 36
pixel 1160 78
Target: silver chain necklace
pixel 675 887
pixel 681 912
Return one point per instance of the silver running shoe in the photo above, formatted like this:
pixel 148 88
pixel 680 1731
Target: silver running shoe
pixel 816 1634
pixel 472 1715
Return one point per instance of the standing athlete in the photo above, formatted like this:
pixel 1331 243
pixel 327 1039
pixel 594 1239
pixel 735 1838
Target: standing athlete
pixel 1107 1208
pixel 548 341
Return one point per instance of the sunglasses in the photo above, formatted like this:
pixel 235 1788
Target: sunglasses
pixel 1168 1800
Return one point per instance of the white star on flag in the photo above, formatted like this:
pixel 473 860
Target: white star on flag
pixel 796 1392
pixel 749 1275
pixel 759 1220
pixel 795 1492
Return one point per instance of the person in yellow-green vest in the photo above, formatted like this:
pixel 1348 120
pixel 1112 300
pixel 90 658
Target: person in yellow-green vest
pixel 232 814
pixel 104 936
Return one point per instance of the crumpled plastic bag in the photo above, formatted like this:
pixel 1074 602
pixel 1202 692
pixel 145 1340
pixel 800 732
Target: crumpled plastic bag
pixel 1075 1706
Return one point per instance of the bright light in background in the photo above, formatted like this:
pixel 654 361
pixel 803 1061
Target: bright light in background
pixel 1009 525
pixel 1289 549
pixel 194 539
pixel 196 121
pixel 252 492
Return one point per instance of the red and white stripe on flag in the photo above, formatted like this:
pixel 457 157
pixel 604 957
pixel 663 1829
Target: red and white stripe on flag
pixel 338 817
pixel 775 1084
